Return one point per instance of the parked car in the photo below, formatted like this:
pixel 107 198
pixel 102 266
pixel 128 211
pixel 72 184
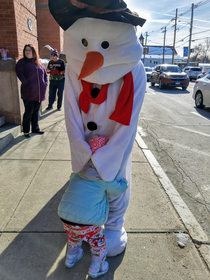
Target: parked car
pixel 201 92
pixel 192 72
pixel 204 73
pixel 169 75
pixel 148 71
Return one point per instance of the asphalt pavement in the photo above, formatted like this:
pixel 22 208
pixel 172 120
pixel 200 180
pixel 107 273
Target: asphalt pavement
pixel 164 239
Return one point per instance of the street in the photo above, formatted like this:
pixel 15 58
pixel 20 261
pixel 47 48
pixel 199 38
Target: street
pixel 178 135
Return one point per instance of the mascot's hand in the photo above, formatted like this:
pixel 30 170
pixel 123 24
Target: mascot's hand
pixel 89 172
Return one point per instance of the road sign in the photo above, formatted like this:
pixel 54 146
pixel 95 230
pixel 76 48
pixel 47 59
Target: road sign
pixel 185 51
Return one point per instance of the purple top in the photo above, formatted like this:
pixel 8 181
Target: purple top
pixel 33 78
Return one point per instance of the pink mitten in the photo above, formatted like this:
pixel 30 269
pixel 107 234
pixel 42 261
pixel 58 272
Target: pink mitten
pixel 97 142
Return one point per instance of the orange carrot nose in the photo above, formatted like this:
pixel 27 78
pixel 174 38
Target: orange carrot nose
pixel 93 61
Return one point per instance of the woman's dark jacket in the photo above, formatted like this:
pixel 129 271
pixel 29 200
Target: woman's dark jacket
pixel 33 78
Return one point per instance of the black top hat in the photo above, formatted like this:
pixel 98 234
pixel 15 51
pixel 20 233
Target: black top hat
pixel 66 12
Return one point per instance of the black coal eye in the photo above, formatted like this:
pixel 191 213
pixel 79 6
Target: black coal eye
pixel 84 42
pixel 105 45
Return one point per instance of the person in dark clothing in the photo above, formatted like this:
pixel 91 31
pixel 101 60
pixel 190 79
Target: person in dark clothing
pixel 56 69
pixel 33 76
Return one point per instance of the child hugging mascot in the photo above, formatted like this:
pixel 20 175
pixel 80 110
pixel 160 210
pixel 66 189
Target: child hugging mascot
pixel 104 91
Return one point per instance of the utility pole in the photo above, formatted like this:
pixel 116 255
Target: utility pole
pixel 164 41
pixel 191 25
pixel 146 35
pixel 174 36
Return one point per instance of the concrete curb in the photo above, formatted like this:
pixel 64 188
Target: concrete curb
pixel 8 134
pixel 195 230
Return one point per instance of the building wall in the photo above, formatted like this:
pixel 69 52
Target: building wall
pixel 25 9
pixel 8 35
pixel 49 32
pixel 10 105
pixel 14 31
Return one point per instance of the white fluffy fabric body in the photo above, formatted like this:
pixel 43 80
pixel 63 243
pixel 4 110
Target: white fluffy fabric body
pixel 112 161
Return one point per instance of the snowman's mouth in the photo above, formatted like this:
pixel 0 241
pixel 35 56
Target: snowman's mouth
pixel 93 61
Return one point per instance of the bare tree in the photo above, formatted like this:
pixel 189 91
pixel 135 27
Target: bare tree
pixel 205 55
pixel 201 52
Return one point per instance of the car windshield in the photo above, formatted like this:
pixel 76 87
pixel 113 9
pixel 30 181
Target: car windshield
pixel 174 69
pixel 147 69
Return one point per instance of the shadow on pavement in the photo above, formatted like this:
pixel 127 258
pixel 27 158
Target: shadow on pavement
pixel 47 113
pixel 14 142
pixel 205 112
pixel 37 252
pixel 166 89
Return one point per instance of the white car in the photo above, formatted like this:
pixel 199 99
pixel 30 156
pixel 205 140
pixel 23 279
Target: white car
pixel 192 72
pixel 148 71
pixel 201 92
pixel 203 74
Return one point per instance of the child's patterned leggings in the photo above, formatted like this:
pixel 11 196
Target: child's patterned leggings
pixel 91 234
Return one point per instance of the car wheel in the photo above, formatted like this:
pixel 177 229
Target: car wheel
pixel 184 88
pixel 152 84
pixel 160 84
pixel 199 100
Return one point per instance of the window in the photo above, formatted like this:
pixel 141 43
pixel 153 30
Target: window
pixel 196 69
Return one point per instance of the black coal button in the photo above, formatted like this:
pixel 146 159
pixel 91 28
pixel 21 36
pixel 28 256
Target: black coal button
pixel 95 92
pixel 92 126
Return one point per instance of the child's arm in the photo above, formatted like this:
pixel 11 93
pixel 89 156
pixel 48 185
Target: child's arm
pixel 117 188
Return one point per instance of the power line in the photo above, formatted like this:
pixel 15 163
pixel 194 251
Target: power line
pixel 192 34
pixel 201 31
pixel 193 7
pixel 200 39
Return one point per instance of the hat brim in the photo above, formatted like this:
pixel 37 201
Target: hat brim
pixel 66 14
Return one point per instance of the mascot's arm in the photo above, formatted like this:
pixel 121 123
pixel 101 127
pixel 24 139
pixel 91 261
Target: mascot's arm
pixel 108 159
pixel 80 150
pixel 117 188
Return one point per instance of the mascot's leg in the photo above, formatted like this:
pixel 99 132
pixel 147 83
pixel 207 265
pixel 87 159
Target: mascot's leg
pixel 116 236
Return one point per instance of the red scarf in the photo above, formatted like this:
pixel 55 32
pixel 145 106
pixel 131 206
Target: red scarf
pixel 124 106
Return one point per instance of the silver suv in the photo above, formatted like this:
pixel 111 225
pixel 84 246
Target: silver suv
pixel 192 72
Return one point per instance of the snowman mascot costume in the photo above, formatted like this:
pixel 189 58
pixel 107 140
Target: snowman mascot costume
pixel 104 91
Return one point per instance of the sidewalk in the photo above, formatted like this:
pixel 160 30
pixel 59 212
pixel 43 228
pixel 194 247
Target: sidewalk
pixel 34 174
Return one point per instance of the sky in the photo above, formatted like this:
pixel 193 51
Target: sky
pixel 161 14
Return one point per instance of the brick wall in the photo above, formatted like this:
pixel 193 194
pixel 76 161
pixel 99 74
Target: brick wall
pixel 8 37
pixel 49 32
pixel 25 9
pixel 14 30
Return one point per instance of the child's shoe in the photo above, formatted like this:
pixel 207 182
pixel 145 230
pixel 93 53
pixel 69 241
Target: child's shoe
pixel 98 266
pixel 73 255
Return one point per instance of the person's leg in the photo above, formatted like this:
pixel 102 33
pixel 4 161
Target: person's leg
pixel 74 251
pixel 60 93
pixel 97 241
pixel 52 93
pixel 29 107
pixel 35 117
